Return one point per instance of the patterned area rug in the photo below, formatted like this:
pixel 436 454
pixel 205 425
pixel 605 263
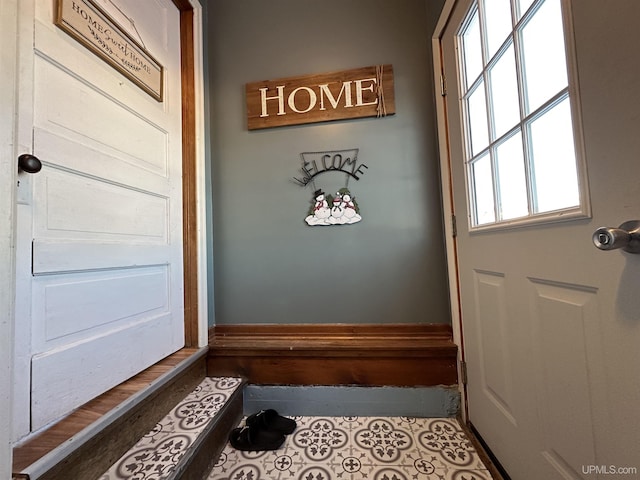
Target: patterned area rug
pixel 354 448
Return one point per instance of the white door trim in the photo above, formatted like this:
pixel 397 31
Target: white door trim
pixel 447 194
pixel 201 186
pixel 8 178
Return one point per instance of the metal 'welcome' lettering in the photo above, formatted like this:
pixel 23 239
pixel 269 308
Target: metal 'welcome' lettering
pixel 338 162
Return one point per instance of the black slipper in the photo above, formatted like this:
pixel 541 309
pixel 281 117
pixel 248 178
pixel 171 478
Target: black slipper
pixel 272 421
pixel 249 439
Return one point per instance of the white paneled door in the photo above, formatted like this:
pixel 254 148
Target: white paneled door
pixel 99 235
pixel 550 323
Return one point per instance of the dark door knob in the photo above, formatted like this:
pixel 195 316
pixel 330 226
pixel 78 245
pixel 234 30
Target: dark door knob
pixel 29 163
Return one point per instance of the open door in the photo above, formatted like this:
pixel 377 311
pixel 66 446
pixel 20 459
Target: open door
pixel 538 133
pixel 99 255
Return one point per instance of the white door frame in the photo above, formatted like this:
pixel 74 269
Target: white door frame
pixel 9 152
pixel 201 177
pixel 8 178
pixel 447 195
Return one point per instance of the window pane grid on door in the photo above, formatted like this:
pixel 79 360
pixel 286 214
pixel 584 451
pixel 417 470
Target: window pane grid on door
pixel 483 206
pixel 513 201
pixel 503 88
pixel 522 7
pixel 553 159
pixel 478 116
pixel 471 50
pixel 510 103
pixel 497 18
pixel 544 69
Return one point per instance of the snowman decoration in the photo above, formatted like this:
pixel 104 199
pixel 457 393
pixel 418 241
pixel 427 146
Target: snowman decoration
pixel 350 208
pixel 319 212
pixel 348 211
pixel 337 210
pixel 343 209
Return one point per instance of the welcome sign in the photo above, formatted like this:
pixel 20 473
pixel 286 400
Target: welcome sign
pixel 357 93
pixel 93 28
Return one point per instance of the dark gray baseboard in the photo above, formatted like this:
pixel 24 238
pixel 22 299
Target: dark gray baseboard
pixel 353 401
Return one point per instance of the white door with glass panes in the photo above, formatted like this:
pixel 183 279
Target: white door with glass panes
pixel 540 118
pixel 99 292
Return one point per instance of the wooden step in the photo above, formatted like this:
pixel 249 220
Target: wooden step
pixel 186 443
pixel 84 444
pixel 402 355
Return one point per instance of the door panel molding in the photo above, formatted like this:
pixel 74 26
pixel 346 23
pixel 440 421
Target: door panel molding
pixel 490 291
pixel 55 395
pixel 561 313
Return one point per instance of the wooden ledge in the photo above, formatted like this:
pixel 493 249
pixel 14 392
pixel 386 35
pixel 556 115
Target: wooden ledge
pixel 335 354
pixel 98 433
pixel 332 340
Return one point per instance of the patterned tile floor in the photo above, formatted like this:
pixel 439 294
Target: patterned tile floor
pixel 355 448
pixel 156 455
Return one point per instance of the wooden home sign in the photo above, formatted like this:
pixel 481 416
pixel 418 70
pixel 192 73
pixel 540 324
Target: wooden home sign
pixel 92 27
pixel 357 93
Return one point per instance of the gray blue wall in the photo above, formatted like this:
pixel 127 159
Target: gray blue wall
pixel 268 265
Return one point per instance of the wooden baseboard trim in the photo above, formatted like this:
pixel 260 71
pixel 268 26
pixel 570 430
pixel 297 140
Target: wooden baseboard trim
pixel 335 354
